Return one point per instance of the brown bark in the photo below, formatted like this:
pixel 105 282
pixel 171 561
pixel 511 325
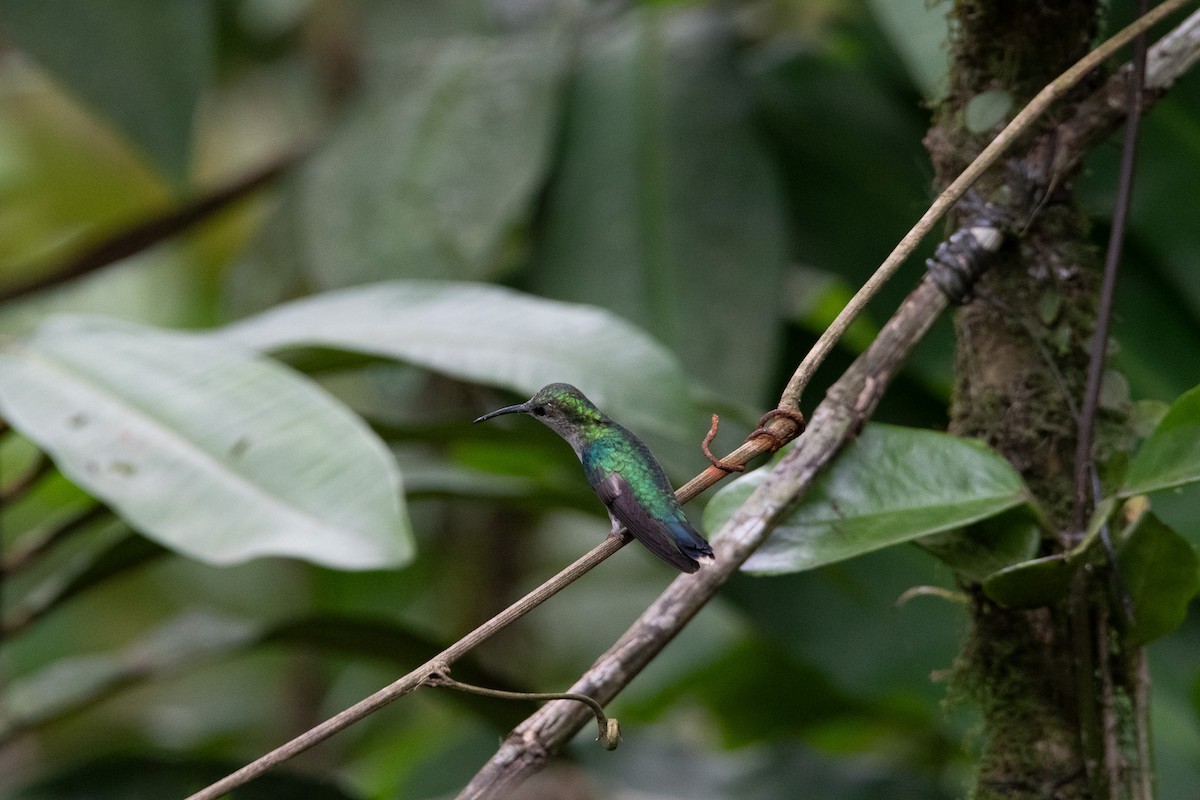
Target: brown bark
pixel 1047 680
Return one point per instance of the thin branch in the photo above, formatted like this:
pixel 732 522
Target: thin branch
pixel 1084 462
pixel 1109 773
pixel 149 232
pixel 418 676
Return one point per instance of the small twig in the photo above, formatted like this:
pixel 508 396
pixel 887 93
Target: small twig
pixel 609 729
pixel 724 466
pixel 1107 776
pixel 151 231
pixel 1084 460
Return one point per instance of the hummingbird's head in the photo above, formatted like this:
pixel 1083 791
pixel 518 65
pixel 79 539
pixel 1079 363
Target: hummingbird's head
pixel 562 408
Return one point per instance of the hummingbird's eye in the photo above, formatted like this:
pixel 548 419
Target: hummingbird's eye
pixel 539 411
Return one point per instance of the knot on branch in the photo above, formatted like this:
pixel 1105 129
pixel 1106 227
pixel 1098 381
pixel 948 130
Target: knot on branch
pixel 778 440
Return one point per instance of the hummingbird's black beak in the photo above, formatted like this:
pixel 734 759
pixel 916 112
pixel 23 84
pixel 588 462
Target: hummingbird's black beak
pixel 519 408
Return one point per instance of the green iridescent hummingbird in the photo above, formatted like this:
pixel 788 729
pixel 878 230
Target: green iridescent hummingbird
pixel 625 474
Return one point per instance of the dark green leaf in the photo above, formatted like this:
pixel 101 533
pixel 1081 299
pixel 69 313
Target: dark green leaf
pixel 144 777
pixel 1043 581
pixel 664 207
pixel 894 647
pixel 405 648
pixel 1039 582
pixel 208 450
pixel 990 545
pixel 1171 456
pixel 740 688
pixel 142 65
pixel 889 486
pixel 437 164
pixel 491 335
pixel 1161 573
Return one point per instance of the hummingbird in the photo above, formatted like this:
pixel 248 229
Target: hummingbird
pixel 623 472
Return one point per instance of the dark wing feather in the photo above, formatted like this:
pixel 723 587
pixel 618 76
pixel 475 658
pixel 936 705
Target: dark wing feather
pixel 656 535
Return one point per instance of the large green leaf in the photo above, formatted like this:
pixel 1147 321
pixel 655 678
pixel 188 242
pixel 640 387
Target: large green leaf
pixel 1171 456
pixel 1161 573
pixel 142 65
pixel 489 335
pixel 891 485
pixel 437 164
pixel 664 207
pixel 207 449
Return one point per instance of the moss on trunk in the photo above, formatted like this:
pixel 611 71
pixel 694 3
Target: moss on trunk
pixel 1047 680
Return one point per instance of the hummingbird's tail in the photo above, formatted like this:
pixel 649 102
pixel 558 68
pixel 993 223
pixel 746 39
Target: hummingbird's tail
pixel 685 549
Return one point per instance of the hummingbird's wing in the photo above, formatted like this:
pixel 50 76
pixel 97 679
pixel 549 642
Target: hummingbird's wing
pixel 660 537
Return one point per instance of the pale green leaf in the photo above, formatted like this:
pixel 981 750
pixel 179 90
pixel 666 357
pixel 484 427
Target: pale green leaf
pixel 437 164
pixel 986 110
pixel 492 335
pixel 207 449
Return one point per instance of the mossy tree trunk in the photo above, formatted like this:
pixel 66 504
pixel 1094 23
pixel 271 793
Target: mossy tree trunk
pixel 1062 699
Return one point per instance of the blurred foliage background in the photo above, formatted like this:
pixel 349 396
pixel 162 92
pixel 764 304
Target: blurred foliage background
pixel 714 178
